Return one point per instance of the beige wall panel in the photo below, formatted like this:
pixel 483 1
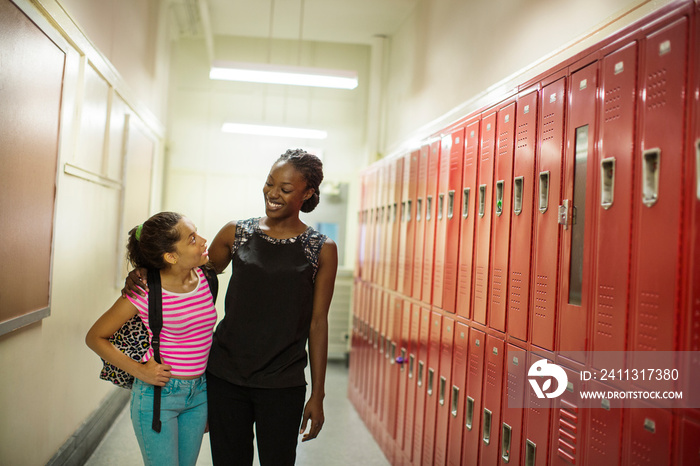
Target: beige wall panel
pixel 93 123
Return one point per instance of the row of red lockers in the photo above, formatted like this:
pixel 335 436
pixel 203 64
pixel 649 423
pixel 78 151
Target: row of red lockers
pixel 562 219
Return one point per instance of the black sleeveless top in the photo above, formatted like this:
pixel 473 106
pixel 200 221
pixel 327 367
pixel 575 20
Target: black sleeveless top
pixel 261 341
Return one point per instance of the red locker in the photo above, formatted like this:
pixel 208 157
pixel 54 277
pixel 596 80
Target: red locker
pixel 437 280
pixel 494 354
pixel 372 225
pixel 648 436
pixel 471 439
pixel 419 244
pixel 432 386
pixel 393 373
pixel 444 383
pixel 538 413
pixel 394 218
pixel 512 411
pixel 521 218
pixel 570 423
pixel 452 216
pixel 403 406
pixel 412 387
pixel 546 236
pixel 421 384
pixel 457 395
pixel 603 439
pixel 431 202
pixel 384 222
pixel 500 237
pixel 482 233
pixel 656 268
pixel 466 230
pixel 404 276
pixel 361 229
pixel 614 202
pixel 579 192
pixel 688 451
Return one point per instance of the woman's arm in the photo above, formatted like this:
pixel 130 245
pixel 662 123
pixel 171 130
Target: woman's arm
pixel 318 338
pixel 98 336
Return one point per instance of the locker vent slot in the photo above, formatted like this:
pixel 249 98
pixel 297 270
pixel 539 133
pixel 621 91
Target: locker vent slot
pixel 649 425
pixel 518 195
pixel 607 187
pixel 441 394
pixel 530 453
pixel 487 426
pixel 429 208
pixel 411 365
pixel 420 373
pixel 650 176
pixel 482 200
pixel 450 204
pixel 409 206
pixel 505 443
pixel 431 380
pixel 455 401
pixel 441 205
pixel 470 412
pixel 544 191
pixel 465 198
pixel 419 209
pixel 697 167
pixel 499 197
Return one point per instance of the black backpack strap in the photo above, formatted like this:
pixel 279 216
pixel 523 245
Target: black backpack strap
pixel 212 280
pixel 155 322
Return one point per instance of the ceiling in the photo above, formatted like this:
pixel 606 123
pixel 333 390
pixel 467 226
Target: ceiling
pixel 344 21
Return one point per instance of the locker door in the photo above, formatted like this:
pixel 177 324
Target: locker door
pixel 431 203
pixel 538 414
pixel 546 237
pixel 512 414
pixel 432 388
pixel 688 446
pixel 569 424
pixel 457 395
pixel 579 196
pixel 500 239
pixel 412 387
pixel 385 223
pixel 522 212
pixel 603 444
pixel 374 225
pixel 482 234
pixel 466 230
pixel 453 208
pixel 404 276
pixel 391 390
pixel 656 268
pixel 395 219
pixel 437 282
pixel 444 385
pixel 421 384
pixel 361 229
pixel 494 354
pixel 614 203
pixel 403 405
pixel 471 439
pixel 419 244
pixel 648 436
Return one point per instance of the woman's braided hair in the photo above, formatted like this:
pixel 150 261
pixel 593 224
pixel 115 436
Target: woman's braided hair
pixel 311 169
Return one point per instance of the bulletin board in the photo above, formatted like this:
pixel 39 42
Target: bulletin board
pixel 31 79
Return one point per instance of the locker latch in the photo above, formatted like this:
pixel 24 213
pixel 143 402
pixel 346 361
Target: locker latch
pixel 564 214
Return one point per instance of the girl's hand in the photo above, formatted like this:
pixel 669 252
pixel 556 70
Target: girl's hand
pixel 155 374
pixel 135 283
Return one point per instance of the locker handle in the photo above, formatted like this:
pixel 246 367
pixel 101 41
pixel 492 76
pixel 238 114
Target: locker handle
pixel 470 412
pixel 419 209
pixel 420 373
pixel 428 208
pixel 499 197
pixel 441 205
pixel 443 383
pixel 465 202
pixel 650 176
pixel 607 187
pixel 544 191
pixel 518 195
pixel 487 426
pixel 395 211
pixel 455 401
pixel 431 380
pixel 482 200
pixel 530 453
pixel 505 443
pixel 450 204
pixel 409 206
pixel 393 352
pixel 411 364
pixel 697 167
pixel 403 211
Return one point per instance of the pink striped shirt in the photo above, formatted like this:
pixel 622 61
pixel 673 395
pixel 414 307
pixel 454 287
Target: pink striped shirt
pixel 188 324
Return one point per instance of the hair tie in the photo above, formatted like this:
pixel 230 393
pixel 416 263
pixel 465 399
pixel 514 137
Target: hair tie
pixel 138 232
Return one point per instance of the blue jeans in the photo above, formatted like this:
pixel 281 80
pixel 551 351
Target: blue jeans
pixel 183 414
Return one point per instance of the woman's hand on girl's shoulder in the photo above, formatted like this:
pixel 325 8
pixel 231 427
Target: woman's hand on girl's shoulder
pixel 135 283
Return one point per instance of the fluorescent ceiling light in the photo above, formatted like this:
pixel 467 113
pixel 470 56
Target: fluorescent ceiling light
pixel 280 74
pixel 261 130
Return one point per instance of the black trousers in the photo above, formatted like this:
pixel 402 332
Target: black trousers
pixel 234 409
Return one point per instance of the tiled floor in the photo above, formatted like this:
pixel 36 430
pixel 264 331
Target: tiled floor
pixel 343 441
